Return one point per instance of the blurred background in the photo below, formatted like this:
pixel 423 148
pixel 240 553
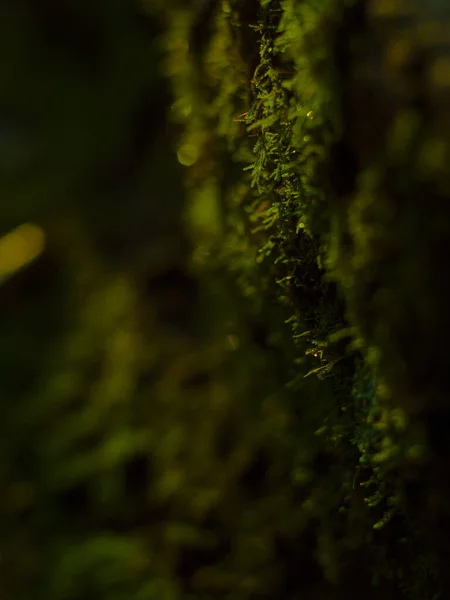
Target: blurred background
pixel 130 461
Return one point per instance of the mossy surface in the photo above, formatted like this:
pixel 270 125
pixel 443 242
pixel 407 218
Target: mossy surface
pixel 336 97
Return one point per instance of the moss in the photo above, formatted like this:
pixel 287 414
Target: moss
pixel 222 393
pixel 293 218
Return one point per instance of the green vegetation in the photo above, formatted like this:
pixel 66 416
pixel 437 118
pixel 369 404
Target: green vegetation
pixel 224 375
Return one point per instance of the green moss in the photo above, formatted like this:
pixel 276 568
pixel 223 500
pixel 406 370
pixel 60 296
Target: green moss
pixel 282 229
pixel 224 390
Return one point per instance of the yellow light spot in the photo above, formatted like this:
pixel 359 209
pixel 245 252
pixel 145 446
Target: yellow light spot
pixel 232 342
pixel 20 247
pixel 188 155
pixel 310 114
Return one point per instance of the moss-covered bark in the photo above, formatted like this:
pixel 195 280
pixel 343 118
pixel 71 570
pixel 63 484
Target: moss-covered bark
pixel 345 101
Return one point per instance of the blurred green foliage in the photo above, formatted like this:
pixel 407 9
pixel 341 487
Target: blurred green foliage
pixel 216 373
